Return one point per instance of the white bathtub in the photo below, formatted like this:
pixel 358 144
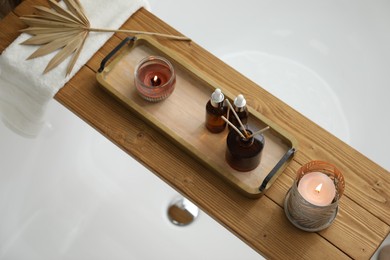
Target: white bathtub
pixel 71 194
pixel 329 60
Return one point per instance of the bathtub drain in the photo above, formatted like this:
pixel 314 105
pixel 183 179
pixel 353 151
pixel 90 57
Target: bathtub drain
pixel 182 212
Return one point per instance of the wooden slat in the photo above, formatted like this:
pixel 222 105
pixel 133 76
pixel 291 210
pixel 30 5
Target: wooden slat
pixel 363 230
pixel 27 7
pixel 9 33
pixel 366 182
pixel 363 221
pixel 11 24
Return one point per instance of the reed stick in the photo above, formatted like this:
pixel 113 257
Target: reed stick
pixel 237 117
pixel 234 127
pixel 259 132
pixel 169 36
pixel 228 111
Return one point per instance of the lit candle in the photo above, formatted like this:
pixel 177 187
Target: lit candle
pixel 156 81
pixel 317 188
pixel 155 78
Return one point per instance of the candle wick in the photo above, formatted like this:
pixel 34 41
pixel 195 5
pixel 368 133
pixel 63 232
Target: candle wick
pixel 156 81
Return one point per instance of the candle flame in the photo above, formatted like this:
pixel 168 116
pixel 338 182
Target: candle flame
pixel 155 81
pixel 319 187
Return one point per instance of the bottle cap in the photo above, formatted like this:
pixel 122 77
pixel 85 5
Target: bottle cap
pixel 217 96
pixel 240 101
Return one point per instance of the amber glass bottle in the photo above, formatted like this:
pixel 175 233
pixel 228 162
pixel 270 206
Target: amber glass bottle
pixel 241 109
pixel 244 154
pixel 214 110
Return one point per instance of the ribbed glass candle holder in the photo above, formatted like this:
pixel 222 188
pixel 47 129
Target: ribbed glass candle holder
pixel 304 214
pixel 154 78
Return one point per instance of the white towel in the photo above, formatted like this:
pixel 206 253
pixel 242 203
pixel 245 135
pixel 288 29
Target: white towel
pixel 25 91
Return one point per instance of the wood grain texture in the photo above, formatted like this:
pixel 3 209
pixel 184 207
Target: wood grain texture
pixel 9 33
pixel 182 115
pixel 363 220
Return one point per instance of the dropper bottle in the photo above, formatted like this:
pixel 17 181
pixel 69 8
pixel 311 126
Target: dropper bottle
pixel 241 109
pixel 214 110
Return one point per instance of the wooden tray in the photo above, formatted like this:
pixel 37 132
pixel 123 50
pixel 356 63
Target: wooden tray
pixel 181 116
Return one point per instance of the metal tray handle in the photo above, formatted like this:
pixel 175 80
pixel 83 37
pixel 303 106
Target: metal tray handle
pixel 115 50
pixel 271 174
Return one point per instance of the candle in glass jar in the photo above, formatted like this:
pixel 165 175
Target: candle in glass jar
pixel 155 78
pixel 317 188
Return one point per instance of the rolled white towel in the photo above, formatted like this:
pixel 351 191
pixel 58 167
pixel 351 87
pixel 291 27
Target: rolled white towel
pixel 25 92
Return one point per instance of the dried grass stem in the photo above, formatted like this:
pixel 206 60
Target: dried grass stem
pixel 175 37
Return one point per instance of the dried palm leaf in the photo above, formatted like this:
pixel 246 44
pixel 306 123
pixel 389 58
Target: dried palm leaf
pixel 65 30
pixel 53 45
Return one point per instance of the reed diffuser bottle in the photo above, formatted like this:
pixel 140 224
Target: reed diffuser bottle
pixel 243 152
pixel 241 110
pixel 214 110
